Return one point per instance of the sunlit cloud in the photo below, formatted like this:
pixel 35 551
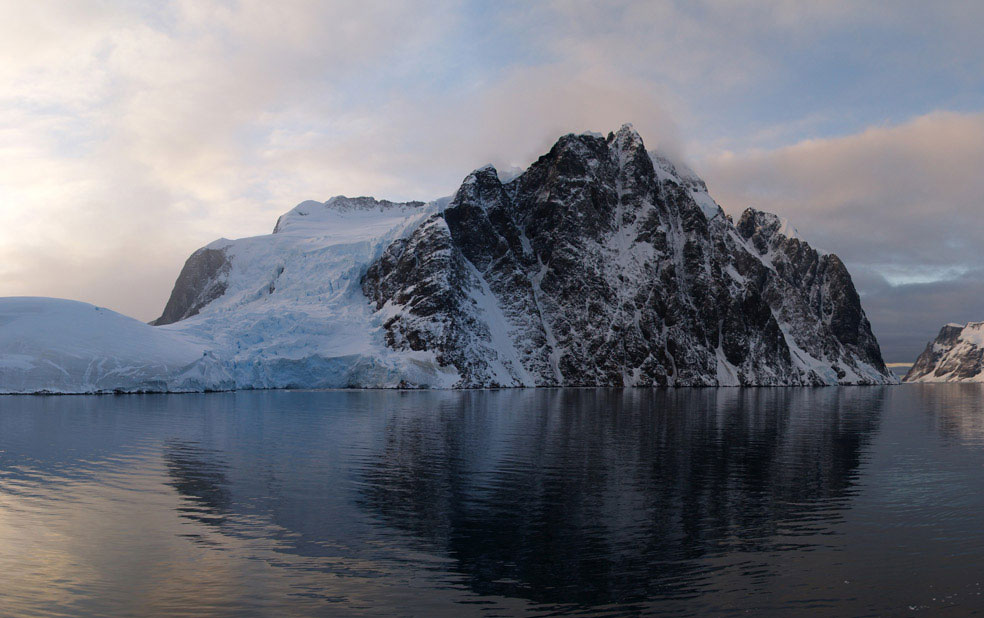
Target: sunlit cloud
pixel 133 133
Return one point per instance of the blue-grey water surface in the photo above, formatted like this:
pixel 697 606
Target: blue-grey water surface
pixel 827 501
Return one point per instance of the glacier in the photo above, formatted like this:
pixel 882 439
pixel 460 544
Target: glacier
pixel 603 264
pixel 52 345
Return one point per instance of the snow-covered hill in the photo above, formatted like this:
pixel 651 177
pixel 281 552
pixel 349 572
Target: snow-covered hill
pixel 63 346
pixel 601 264
pixel 956 355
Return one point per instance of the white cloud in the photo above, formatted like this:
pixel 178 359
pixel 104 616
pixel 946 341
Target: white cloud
pixel 130 132
pixel 133 133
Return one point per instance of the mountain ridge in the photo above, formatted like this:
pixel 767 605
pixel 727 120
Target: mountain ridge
pixel 601 264
pixel 616 214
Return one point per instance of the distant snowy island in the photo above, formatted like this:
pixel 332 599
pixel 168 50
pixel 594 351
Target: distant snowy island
pixel 956 355
pixel 602 264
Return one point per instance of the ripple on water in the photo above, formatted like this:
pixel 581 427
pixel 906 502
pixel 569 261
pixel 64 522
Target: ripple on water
pixel 861 501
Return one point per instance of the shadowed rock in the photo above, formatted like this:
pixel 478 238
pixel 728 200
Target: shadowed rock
pixel 201 281
pixel 605 265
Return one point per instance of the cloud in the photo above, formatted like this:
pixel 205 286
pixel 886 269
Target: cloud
pixel 900 202
pixel 133 133
pixel 129 133
pixel 413 147
pixel 906 317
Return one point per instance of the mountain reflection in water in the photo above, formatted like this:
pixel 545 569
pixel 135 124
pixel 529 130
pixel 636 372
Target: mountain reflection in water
pixel 198 474
pixel 832 501
pixel 598 496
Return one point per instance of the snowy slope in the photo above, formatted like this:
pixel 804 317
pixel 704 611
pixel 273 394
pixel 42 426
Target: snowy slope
pixel 64 346
pixel 956 355
pixel 680 174
pixel 292 313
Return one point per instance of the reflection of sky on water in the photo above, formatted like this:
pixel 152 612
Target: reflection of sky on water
pixel 362 502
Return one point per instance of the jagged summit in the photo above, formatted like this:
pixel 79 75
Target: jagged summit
pixel 343 203
pixel 592 268
pixel 764 226
pixel 601 264
pixel 626 138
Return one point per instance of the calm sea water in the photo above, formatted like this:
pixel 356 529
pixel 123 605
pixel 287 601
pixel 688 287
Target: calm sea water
pixel 827 501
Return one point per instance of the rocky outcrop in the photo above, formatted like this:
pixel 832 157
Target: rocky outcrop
pixel 603 264
pixel 956 355
pixel 440 312
pixel 202 280
pixel 309 213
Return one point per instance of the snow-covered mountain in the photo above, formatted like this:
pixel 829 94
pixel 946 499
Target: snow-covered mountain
pixel 956 355
pixel 601 264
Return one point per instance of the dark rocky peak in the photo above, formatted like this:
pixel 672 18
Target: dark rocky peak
pixel 479 221
pixel 956 355
pixel 586 152
pixel 479 188
pixel 583 176
pixel 570 191
pixel 626 140
pixel 573 156
pixel 584 158
pixel 636 175
pixel 765 230
pixel 950 333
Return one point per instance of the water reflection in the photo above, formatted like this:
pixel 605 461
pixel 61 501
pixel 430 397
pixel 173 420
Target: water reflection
pixel 849 501
pixel 198 474
pixel 956 411
pixel 595 496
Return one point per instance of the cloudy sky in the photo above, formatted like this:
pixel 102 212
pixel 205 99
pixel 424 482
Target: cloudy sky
pixel 132 133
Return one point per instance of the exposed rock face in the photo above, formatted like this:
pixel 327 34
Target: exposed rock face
pixel 956 355
pixel 600 265
pixel 202 280
pixel 443 311
pixel 605 265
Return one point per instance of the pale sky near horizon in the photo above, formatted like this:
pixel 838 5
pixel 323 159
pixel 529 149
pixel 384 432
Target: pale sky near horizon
pixel 132 133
